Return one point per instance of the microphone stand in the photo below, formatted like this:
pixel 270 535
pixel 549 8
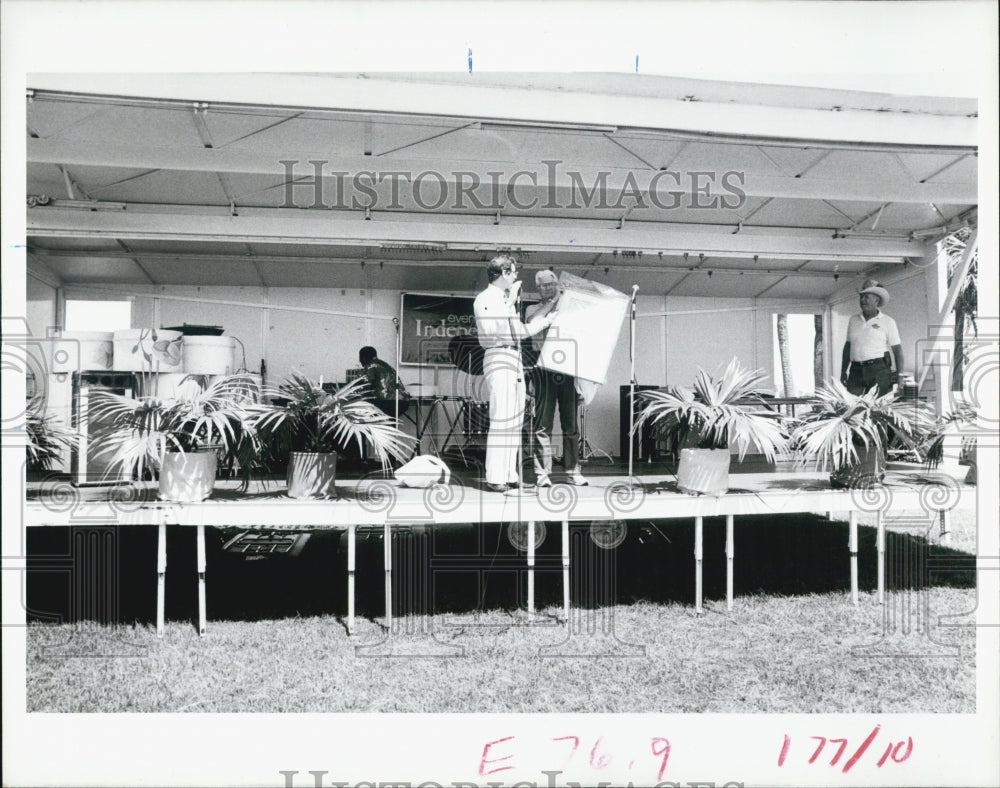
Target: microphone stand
pixel 631 394
pixel 521 382
pixel 395 322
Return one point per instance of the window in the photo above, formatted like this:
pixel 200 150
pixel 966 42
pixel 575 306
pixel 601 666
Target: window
pixel 98 315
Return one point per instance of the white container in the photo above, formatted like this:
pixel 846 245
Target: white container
pixel 148 350
pixel 209 355
pixel 76 351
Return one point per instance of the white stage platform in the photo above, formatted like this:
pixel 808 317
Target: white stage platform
pixel 384 503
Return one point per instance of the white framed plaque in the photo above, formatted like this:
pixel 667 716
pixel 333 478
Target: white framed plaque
pixel 585 330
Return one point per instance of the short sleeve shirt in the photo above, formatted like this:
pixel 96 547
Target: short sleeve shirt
pixel 495 318
pixel 383 381
pixel 871 338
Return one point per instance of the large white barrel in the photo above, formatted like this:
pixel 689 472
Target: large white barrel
pixel 76 351
pixel 149 350
pixel 209 355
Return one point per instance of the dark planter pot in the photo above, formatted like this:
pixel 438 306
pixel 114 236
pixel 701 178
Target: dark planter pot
pixel 868 471
pixel 188 477
pixel 704 471
pixel 312 475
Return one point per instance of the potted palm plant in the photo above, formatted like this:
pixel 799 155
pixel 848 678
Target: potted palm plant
pixel 47 437
pixel 177 438
pixel 946 443
pixel 850 433
pixel 310 426
pixel 721 412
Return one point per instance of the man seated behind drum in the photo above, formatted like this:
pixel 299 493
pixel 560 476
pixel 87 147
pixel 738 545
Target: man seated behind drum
pixel 383 382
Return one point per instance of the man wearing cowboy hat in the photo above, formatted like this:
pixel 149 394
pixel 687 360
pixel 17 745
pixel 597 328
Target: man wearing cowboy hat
pixel 872 339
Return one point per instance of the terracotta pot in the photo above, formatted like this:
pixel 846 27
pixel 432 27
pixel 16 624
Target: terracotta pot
pixel 868 471
pixel 312 475
pixel 188 477
pixel 704 471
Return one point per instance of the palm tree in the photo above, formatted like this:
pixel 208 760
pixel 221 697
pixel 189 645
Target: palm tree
pixel 967 303
pixel 784 351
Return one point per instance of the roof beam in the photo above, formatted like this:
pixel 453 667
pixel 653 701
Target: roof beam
pixel 382 93
pixel 572 179
pixel 668 265
pixel 350 228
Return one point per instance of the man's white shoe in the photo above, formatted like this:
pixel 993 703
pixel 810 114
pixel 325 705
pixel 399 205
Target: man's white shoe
pixel 543 480
pixel 576 478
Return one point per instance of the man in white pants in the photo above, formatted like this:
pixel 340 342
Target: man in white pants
pixel 500 332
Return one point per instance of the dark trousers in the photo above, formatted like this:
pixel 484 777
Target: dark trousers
pixel 863 376
pixel 552 389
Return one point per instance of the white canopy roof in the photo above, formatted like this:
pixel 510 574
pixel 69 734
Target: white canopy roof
pixel 683 186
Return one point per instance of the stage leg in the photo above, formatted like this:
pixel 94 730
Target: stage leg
pixel 351 560
pixel 202 611
pixel 531 569
pixel 945 527
pixel 388 576
pixel 698 539
pixel 852 546
pixel 880 550
pixel 730 552
pixel 565 568
pixel 161 575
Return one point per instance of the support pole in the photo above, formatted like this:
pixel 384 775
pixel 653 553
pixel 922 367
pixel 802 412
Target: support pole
pixel 565 568
pixel 202 611
pixel 161 575
pixel 387 557
pixel 730 553
pixel 531 569
pixel 698 540
pixel 945 526
pixel 352 530
pixel 631 384
pixel 880 549
pixel 852 546
pixel 395 322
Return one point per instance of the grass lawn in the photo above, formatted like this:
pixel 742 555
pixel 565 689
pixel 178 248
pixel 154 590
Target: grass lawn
pixel 779 650
pixel 791 654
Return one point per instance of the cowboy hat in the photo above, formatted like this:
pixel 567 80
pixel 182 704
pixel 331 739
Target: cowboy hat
pixel 872 286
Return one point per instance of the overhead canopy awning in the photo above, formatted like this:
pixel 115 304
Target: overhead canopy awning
pixel 411 181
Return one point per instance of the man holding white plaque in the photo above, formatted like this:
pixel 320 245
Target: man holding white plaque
pixel 552 389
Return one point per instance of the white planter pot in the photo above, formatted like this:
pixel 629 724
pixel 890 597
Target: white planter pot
pixel 188 477
pixel 209 355
pixel 77 351
pixel 704 471
pixel 312 475
pixel 868 471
